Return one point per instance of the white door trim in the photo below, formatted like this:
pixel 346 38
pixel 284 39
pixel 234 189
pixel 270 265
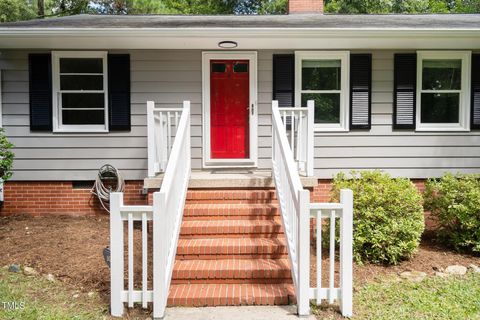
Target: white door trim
pixel 251 56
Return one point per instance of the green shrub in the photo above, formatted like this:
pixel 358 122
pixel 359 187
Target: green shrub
pixel 455 201
pixel 6 157
pixel 388 218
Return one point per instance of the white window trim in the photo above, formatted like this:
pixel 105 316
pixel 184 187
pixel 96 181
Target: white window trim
pixel 464 103
pixel 57 126
pixel 344 57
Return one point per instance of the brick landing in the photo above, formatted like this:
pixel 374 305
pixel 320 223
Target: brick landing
pixel 231 251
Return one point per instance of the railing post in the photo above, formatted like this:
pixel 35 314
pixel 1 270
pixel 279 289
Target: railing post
pixel 116 254
pixel 186 106
pixel 346 254
pixel 303 249
pixel 151 138
pixel 310 137
pixel 160 253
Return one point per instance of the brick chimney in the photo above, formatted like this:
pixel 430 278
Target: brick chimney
pixel 305 6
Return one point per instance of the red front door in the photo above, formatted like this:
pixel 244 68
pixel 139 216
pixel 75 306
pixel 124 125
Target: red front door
pixel 229 109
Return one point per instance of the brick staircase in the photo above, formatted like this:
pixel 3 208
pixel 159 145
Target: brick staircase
pixel 231 251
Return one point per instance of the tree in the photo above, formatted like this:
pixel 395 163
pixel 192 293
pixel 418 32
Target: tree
pixel 14 10
pixel 261 7
pixel 201 6
pixel 401 6
pixel 68 7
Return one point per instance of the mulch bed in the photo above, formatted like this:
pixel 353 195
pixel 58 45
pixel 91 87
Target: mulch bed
pixel 71 248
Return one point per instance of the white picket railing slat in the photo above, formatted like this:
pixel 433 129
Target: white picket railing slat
pixel 168 138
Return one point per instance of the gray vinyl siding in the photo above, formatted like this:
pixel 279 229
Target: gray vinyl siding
pixel 168 77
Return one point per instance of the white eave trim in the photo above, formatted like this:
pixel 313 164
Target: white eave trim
pixel 248 38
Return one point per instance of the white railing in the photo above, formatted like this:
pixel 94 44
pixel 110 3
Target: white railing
pixel 166 217
pixel 298 125
pixel 342 211
pixel 162 124
pixel 296 210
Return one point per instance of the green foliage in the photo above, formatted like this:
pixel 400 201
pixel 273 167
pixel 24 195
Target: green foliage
pixel 6 156
pixel 401 6
pixel 201 6
pixel 45 300
pixel 14 10
pixel 455 201
pixel 433 298
pixel 388 216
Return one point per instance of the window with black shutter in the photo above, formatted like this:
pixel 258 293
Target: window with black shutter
pixel 284 79
pixel 360 91
pixel 40 88
pixel 404 95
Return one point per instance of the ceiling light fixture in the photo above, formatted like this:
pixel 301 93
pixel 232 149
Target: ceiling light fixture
pixel 227 44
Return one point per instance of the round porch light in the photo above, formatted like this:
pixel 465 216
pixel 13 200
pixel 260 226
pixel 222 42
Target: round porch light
pixel 227 44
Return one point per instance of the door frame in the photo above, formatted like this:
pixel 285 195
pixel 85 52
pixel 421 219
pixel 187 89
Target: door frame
pixel 251 56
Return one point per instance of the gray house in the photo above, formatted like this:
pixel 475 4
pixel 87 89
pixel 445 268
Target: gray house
pixel 400 93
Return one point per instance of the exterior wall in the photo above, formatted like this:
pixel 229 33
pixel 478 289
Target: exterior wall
pixel 39 198
pixel 169 77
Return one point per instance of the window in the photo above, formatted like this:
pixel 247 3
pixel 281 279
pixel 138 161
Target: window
pixel 323 77
pixel 80 91
pixel 443 90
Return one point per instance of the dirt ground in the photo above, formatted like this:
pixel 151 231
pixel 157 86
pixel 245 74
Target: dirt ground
pixel 71 249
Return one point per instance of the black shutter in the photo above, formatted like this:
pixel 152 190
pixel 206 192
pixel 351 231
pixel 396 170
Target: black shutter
pixel 360 91
pixel 475 115
pixel 284 79
pixel 404 95
pixel 40 88
pixel 119 92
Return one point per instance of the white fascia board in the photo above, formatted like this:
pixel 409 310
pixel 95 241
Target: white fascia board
pixel 247 38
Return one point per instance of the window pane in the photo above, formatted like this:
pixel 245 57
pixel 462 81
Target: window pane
pixel 440 108
pixel 218 67
pixel 327 106
pixel 83 100
pixel 81 65
pixel 240 67
pixel 81 82
pixel 321 74
pixel 442 74
pixel 83 117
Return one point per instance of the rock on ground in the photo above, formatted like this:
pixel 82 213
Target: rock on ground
pixel 415 276
pixel 456 270
pixel 29 271
pixel 474 268
pixel 14 268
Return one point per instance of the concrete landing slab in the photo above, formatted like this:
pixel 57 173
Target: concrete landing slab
pixel 235 313
pixel 229 179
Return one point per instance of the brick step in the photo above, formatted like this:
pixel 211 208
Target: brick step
pixel 201 295
pixel 231 196
pixel 231 228
pixel 227 248
pixel 230 210
pixel 232 269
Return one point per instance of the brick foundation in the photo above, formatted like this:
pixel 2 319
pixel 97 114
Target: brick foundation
pixel 322 192
pixel 39 198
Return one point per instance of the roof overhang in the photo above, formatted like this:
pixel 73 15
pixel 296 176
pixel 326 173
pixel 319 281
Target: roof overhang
pixel 247 38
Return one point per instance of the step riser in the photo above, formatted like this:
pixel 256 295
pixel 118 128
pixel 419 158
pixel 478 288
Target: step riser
pixel 231 217
pixel 230 256
pixel 271 231
pixel 231 195
pixel 197 295
pixel 234 281
pixel 226 212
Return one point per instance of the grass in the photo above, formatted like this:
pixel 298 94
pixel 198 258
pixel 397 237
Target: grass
pixel 433 298
pixel 45 300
